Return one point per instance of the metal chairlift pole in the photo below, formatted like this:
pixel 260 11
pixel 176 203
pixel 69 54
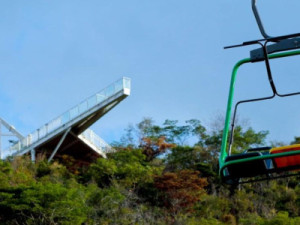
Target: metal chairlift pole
pixel 258 20
pixel 11 129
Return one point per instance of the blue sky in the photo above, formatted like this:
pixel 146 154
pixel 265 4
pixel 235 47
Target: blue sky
pixel 54 54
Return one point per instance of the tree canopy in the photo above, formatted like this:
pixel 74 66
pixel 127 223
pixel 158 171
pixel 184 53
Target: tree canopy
pixel 159 174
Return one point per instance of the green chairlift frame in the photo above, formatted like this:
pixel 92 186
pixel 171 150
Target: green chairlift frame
pixel 250 162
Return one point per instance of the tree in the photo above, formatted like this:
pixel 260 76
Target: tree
pixel 181 158
pixel 128 167
pixel 154 147
pixel 296 140
pixel 181 190
pixel 246 139
pixel 174 133
pixel 146 128
pixel 128 139
pixel 170 129
pixel 198 130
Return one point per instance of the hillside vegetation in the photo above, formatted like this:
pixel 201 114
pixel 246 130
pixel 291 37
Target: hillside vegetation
pixel 156 176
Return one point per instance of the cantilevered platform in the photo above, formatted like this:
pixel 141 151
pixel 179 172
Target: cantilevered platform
pixel 69 134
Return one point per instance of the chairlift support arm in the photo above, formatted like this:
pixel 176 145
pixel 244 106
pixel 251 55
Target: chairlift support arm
pixel 258 20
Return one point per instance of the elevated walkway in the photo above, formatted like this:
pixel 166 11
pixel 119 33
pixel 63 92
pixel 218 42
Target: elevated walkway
pixel 60 135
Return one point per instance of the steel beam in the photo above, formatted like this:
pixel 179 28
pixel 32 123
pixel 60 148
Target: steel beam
pixel 59 144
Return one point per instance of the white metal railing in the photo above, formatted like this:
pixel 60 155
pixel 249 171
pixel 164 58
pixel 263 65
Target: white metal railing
pixel 91 137
pixel 81 108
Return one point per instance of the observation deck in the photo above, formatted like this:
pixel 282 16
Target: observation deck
pixel 69 133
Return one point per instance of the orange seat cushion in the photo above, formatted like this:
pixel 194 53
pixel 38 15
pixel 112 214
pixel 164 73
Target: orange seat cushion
pixel 286 161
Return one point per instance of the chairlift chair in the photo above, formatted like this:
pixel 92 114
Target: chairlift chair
pixel 263 163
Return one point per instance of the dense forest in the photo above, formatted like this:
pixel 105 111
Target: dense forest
pixel 158 174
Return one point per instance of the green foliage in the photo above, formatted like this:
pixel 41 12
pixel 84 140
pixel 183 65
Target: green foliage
pixel 174 133
pixel 282 218
pixel 246 139
pixel 183 158
pixel 194 158
pixel 28 200
pixel 128 167
pixel 104 203
pixel 5 172
pixel 213 207
pixel 296 141
pixel 148 180
pixel 103 171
